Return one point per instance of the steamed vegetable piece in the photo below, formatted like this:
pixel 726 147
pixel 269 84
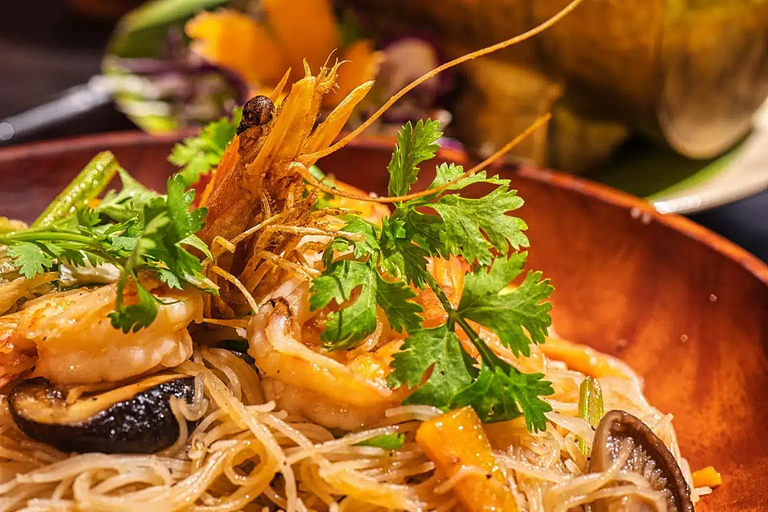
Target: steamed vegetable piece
pixel 456 442
pixel 707 477
pixel 86 186
pixel 389 261
pixel 591 407
pixel 623 437
pixel 135 418
pixel 585 359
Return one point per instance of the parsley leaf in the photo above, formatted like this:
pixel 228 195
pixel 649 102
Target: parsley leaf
pixel 438 349
pixel 415 144
pixel 487 300
pixel 198 155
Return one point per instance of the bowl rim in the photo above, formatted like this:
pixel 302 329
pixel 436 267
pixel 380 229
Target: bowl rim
pixel 637 207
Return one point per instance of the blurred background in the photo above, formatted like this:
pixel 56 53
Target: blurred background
pixel 660 98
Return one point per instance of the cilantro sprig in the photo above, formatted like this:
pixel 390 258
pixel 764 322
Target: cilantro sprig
pixel 136 230
pixel 382 266
pixel 198 155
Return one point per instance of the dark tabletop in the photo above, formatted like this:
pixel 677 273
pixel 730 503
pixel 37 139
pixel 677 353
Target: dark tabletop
pixel 45 48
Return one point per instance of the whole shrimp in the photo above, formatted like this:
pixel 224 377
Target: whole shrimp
pixel 257 195
pixel 267 240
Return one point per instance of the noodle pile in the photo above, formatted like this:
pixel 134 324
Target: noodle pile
pixel 246 455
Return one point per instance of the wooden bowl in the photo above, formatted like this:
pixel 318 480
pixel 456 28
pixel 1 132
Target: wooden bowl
pixel 686 308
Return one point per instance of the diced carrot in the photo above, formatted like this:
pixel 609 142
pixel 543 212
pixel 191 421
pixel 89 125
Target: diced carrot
pixel 456 441
pixel 505 434
pixel 707 477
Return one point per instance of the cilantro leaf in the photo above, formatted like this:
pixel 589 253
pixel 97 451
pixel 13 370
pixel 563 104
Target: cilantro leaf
pixel 400 257
pixel 394 297
pixel 198 155
pixel 426 231
pixel 445 173
pixel 438 349
pixel 503 393
pixel 507 312
pixel 126 204
pixel 474 227
pixel 385 441
pixel 136 316
pixel 351 324
pixel 415 144
pixel 131 231
pixel 390 258
pixel 369 244
pixel 30 258
pixel 183 221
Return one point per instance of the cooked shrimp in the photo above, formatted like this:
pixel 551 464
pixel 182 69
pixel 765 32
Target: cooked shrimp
pixel 17 354
pixel 69 339
pixel 346 388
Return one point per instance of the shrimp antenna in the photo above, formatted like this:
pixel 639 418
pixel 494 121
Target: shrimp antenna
pixel 311 157
pixel 302 170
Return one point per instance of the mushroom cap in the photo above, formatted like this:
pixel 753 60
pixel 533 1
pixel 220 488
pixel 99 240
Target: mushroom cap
pixel 648 457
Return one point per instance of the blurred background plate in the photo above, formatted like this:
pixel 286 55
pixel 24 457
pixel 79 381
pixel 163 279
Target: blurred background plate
pixel 677 184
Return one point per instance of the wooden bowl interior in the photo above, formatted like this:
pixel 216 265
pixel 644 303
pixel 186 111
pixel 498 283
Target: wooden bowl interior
pixel 684 308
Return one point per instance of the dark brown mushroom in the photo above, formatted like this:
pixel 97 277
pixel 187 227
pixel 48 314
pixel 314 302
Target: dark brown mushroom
pixel 648 457
pixel 135 418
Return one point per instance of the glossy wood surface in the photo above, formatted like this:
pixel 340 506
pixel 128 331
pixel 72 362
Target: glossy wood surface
pixel 687 309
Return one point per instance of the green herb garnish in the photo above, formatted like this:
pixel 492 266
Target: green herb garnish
pixel 390 259
pixel 135 230
pixel 198 155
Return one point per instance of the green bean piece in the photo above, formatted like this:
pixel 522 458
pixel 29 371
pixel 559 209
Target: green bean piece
pixel 591 408
pixel 86 186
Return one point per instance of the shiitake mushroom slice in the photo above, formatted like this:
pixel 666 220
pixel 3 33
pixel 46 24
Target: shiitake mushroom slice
pixel 649 457
pixel 135 418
